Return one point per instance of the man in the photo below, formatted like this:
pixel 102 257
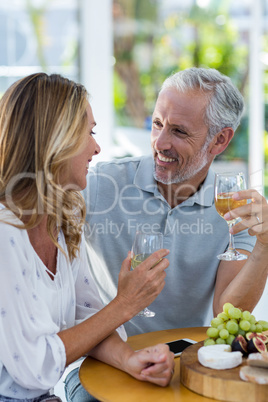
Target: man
pixel 195 117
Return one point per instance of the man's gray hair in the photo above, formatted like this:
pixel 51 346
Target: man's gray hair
pixel 225 105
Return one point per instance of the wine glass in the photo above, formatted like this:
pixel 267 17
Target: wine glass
pixel 144 245
pixel 226 184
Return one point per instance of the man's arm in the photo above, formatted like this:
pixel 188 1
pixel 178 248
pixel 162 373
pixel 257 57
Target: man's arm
pixel 242 282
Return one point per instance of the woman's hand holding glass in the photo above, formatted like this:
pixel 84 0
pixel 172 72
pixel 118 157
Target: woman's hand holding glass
pixel 138 288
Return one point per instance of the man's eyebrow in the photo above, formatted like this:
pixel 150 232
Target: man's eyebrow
pixel 180 126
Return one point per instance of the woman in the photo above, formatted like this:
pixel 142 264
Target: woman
pixel 51 313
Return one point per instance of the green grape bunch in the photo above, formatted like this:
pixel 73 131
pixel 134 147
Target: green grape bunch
pixel 232 322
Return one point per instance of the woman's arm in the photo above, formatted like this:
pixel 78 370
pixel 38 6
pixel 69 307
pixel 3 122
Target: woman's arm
pixel 154 364
pixel 136 290
pixel 95 335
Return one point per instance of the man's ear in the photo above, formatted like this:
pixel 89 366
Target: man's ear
pixel 221 140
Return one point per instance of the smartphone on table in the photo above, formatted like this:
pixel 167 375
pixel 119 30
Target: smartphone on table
pixel 178 346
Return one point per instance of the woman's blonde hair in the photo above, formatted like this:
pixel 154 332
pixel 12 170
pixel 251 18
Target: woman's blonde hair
pixel 41 119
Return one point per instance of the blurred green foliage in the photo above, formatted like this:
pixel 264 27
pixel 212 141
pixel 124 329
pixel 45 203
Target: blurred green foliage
pixel 36 15
pixel 202 37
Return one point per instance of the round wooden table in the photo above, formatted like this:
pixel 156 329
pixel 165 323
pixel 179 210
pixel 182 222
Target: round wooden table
pixel 109 384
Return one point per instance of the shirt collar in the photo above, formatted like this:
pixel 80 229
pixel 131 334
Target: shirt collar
pixel 146 182
pixel 205 194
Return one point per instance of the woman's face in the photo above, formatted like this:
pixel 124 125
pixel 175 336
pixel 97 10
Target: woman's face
pixel 78 165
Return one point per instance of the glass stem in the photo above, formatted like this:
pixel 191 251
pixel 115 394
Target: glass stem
pixel 231 246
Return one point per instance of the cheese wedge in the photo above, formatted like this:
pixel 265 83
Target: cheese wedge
pixel 254 374
pixel 219 357
pixel 258 359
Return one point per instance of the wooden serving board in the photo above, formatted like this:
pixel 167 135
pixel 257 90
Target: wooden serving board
pixel 224 385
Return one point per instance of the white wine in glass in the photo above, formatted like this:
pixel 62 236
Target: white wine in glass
pixel 144 245
pixel 226 184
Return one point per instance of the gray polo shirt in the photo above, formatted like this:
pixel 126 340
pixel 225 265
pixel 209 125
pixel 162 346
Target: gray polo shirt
pixel 122 197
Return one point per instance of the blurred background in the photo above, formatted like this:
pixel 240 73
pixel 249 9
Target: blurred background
pixel 122 50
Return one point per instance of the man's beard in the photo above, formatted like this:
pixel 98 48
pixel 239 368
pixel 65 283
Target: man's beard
pixel 197 163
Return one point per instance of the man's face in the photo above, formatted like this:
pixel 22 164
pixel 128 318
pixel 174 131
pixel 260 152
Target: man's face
pixel 179 136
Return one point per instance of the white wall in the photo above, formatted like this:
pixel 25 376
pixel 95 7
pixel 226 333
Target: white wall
pixel 96 61
pixel 261 310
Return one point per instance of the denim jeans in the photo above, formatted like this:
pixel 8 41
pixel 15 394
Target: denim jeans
pixel 74 391
pixel 43 398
